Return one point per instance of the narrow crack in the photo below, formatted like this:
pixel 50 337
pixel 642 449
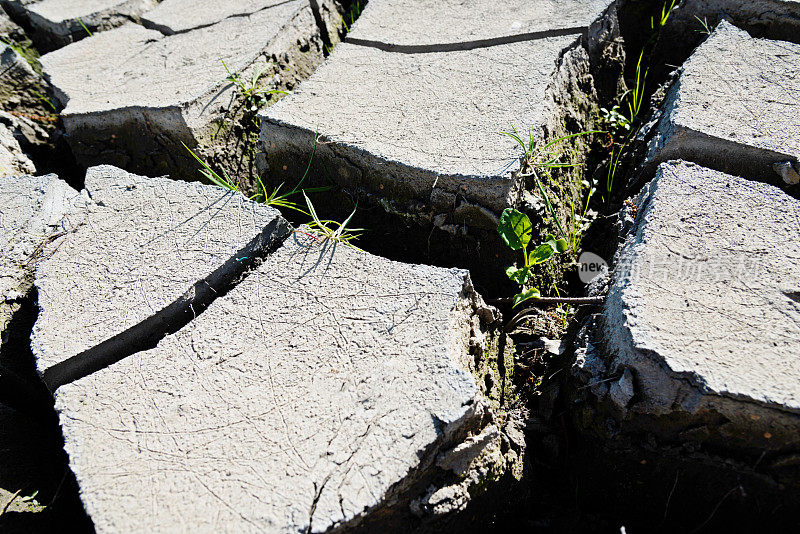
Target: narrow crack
pixel 317 495
pixel 166 31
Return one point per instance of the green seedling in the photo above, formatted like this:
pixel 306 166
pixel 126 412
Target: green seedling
pixel 635 97
pixel 278 200
pixel 323 229
pixel 274 198
pixel 515 230
pixel 615 122
pixel 707 28
pixel 544 160
pixel 255 97
pixel 527 147
pixel 328 230
pixel 634 103
pixel 563 309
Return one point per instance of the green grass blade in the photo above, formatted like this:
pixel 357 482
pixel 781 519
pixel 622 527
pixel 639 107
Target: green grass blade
pixel 570 136
pixel 549 205
pixel 84 27
pixel 208 172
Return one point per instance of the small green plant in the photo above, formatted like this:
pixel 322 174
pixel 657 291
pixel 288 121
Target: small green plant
pixel 211 175
pixel 634 99
pixel 564 310
pixel 329 230
pixel 323 229
pixel 666 11
pixel 637 94
pixel 545 160
pixel 628 126
pixel 274 198
pixel 707 28
pixel 515 230
pixel 254 96
pixel 614 121
pixel 527 146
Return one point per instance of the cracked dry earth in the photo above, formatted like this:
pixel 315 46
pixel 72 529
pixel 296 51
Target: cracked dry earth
pixel 176 357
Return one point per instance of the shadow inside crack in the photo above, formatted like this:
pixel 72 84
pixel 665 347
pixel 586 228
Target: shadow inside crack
pixel 20 387
pixel 37 488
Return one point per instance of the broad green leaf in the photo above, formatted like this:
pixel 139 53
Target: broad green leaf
pixel 528 294
pixel 520 275
pixel 515 228
pixel 542 253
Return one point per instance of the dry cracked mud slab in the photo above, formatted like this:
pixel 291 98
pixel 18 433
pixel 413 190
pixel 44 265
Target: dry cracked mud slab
pixel 318 392
pixel 132 95
pixel 410 108
pixel 701 327
pixel 735 108
pixel 32 211
pixel 59 22
pixel 143 255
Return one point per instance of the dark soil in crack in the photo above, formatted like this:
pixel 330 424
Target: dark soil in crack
pixel 37 489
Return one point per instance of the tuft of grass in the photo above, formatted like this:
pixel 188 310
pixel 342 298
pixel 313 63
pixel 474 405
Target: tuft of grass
pixel 656 24
pixel 211 175
pixel 323 229
pixel 354 12
pixel 278 200
pixel 527 146
pixel 708 29
pixel 328 230
pixel 542 162
pixel 255 97
pixel 626 127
